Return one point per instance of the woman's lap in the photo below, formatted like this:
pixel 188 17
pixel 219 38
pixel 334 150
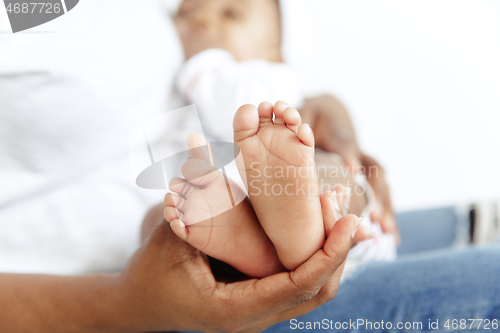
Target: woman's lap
pixel 442 285
pixel 418 287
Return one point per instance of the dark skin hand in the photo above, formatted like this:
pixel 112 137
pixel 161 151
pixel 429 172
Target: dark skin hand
pixel 246 306
pixel 334 132
pixel 168 286
pixel 259 303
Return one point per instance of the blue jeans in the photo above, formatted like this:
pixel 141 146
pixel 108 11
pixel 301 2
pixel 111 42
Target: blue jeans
pixel 430 287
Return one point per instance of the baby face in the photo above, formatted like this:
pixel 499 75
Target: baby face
pixel 249 29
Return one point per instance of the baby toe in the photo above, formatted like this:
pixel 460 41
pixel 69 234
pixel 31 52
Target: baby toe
pixel 170 214
pixel 292 119
pixel 265 114
pixel 279 109
pixel 246 122
pixel 179 229
pixel 306 135
pixel 178 201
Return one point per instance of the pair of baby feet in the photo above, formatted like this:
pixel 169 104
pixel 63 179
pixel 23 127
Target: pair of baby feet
pixel 284 219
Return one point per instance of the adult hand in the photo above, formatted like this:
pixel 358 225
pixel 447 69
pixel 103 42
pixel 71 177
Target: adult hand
pixel 168 285
pixel 334 132
pixel 383 213
pixel 331 216
pixel 333 129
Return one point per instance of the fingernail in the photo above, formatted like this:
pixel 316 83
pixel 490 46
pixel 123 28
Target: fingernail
pixel 181 224
pixel 356 225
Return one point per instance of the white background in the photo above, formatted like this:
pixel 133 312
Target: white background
pixel 422 82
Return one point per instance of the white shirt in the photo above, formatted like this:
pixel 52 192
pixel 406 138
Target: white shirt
pixel 69 97
pixel 218 85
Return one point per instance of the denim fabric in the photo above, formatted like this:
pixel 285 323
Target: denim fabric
pixel 421 288
pixel 429 284
pixel 431 229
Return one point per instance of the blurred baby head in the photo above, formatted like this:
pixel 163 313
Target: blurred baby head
pixel 249 29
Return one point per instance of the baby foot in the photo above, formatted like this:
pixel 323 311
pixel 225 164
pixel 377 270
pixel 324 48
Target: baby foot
pixel 198 213
pixel 279 170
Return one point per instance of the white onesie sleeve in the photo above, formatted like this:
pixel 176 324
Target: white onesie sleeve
pixel 218 85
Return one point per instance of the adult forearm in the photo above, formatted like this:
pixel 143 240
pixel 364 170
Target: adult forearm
pixel 43 303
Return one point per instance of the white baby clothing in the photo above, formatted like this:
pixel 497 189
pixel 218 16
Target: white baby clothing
pixel 218 85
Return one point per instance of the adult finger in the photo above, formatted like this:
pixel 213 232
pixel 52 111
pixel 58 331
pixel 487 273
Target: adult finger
pixel 277 293
pixel 325 295
pixel 330 208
